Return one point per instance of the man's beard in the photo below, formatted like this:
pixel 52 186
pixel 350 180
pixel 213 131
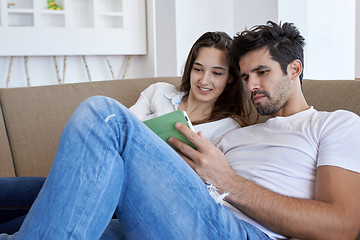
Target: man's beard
pixel 276 101
pixel 268 109
pixel 272 106
pixel 263 110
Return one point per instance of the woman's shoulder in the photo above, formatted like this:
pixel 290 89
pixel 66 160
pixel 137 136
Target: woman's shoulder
pixel 162 86
pixel 167 90
pixel 159 88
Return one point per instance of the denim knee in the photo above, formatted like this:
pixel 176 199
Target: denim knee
pixel 96 108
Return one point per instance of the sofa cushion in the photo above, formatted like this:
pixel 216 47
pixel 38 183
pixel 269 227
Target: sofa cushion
pixel 36 116
pixel 330 95
pixel 6 161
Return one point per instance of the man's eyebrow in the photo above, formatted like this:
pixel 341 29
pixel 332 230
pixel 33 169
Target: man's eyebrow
pixel 260 67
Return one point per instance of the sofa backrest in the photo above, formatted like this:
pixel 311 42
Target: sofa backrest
pixel 35 116
pixel 330 95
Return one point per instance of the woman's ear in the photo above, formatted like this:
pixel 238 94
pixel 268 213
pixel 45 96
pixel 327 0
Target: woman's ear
pixel 230 80
pixel 295 69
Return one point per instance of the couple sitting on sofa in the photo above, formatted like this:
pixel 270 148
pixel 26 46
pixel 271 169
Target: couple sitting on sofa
pixel 299 166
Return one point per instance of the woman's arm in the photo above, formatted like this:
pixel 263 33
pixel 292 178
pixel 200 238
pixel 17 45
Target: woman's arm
pixel 142 107
pixel 155 100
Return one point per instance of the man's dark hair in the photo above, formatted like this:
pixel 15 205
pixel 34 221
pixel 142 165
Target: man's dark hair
pixel 284 42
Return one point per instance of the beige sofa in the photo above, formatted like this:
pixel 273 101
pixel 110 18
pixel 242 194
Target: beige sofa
pixel 32 118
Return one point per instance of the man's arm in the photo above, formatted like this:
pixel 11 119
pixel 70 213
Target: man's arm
pixel 334 214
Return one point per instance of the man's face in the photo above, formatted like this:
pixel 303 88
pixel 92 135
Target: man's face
pixel 265 82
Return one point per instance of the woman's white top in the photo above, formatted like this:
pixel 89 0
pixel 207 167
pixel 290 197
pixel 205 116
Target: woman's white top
pixel 161 98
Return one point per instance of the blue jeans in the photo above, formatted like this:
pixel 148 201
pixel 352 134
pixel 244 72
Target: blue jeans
pixel 109 160
pixel 17 194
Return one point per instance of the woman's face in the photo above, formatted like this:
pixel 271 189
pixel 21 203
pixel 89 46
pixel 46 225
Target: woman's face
pixel 209 75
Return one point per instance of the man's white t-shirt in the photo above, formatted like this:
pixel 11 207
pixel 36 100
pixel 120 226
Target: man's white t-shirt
pixel 283 153
pixel 161 98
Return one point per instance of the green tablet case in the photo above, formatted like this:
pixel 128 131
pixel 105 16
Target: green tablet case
pixel 164 126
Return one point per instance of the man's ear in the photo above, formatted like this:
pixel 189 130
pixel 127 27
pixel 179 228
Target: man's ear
pixel 295 69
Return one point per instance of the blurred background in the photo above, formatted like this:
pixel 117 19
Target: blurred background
pixel 96 40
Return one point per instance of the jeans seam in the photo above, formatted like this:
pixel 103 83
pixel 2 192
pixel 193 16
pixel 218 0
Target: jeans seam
pixel 75 230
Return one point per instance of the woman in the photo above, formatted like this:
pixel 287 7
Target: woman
pixel 210 92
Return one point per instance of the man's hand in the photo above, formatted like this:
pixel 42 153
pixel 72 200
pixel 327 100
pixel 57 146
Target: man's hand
pixel 207 161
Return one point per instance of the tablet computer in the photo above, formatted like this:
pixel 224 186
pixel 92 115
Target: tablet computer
pixel 164 126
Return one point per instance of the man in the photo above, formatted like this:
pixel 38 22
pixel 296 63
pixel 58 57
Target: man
pixel 297 174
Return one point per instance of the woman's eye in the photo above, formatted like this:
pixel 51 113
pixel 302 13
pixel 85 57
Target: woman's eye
pixel 197 69
pixel 218 73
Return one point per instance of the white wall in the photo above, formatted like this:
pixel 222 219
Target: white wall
pixel 329 27
pixel 331 39
pixel 165 18
pixel 329 30
pixel 161 39
pixel 249 13
pixel 195 17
